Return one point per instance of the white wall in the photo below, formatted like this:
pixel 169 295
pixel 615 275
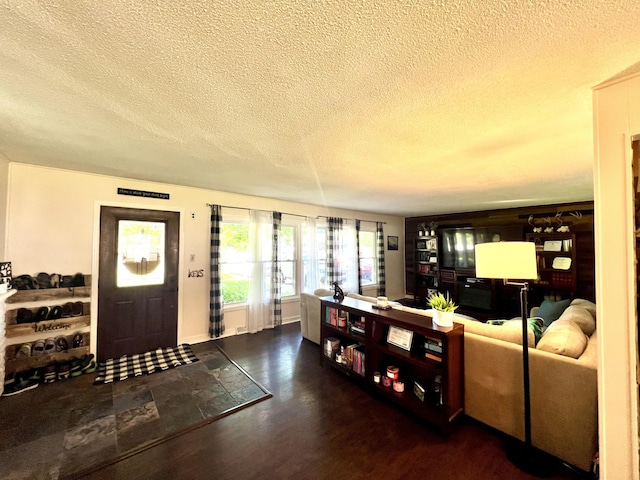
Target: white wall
pixel 616 119
pixel 4 184
pixel 53 226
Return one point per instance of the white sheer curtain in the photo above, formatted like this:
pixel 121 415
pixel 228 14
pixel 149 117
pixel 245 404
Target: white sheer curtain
pixel 310 255
pixel 261 241
pixel 348 256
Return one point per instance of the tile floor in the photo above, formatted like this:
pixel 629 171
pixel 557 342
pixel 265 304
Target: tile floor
pixel 57 429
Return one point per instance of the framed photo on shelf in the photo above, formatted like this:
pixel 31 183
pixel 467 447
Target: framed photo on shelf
pixel 392 243
pixel 400 337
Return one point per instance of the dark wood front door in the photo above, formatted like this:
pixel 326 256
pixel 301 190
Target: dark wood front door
pixel 138 281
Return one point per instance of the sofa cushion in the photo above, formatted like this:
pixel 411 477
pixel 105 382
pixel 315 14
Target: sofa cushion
pixel 581 317
pixel 508 331
pixel 323 292
pixel 550 311
pixel 590 306
pixel 563 337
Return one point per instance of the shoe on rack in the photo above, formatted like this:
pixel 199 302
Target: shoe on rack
pixel 91 368
pixel 77 341
pixel 44 280
pixel 79 365
pixel 24 315
pixel 55 280
pixel 20 384
pixel 77 309
pixel 25 351
pixel 64 369
pixel 42 314
pixel 55 313
pixel 50 373
pixel 62 344
pixel 67 309
pixel 49 345
pixel 38 348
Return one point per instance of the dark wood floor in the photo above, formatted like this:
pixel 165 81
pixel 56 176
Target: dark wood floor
pixel 318 425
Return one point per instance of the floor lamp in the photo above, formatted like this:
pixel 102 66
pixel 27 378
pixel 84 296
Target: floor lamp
pixel 516 260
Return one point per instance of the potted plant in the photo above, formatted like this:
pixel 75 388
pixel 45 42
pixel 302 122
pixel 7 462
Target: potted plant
pixel 443 308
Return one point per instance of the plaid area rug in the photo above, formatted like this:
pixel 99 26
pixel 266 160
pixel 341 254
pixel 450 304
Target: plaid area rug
pixel 127 366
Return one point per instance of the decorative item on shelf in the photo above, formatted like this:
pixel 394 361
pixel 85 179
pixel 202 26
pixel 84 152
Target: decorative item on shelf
pixel 5 276
pixel 339 294
pixel 443 308
pixel 516 260
pixel 554 224
pixel 382 303
pixel 342 320
pixel 422 230
pixel 432 227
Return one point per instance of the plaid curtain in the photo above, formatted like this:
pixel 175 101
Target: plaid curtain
pixel 216 312
pixel 382 287
pixel 334 243
pixel 276 270
pixel 358 256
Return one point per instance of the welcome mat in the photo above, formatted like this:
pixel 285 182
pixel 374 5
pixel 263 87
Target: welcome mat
pixel 116 369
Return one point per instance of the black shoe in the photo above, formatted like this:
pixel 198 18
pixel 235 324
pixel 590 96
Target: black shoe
pixel 19 385
pixel 78 365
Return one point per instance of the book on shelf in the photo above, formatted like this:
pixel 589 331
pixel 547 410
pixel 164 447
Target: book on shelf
pixel 331 316
pixel 433 345
pixel 418 390
pixel 331 346
pixel 358 360
pixel 432 356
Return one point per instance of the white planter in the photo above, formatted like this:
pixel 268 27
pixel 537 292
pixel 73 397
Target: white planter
pixel 443 319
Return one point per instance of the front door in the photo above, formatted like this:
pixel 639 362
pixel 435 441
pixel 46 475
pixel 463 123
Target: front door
pixel 138 281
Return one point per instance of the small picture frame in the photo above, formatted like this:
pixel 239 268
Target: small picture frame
pixel 400 337
pixel 392 243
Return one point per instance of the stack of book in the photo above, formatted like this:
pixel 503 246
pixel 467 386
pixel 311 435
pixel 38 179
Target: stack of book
pixel 358 326
pixel 433 348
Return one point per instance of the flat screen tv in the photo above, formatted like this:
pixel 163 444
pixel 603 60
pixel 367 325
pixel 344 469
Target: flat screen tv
pixel 457 245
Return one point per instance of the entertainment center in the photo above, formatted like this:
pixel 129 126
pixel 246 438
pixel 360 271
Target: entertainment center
pixel 566 265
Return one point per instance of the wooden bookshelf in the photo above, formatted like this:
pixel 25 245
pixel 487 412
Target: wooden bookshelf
pixel 424 353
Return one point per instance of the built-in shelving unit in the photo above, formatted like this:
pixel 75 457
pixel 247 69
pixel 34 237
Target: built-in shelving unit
pixel 426 268
pixel 557 264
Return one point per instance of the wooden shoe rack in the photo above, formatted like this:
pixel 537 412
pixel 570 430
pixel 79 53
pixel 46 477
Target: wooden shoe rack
pixel 18 334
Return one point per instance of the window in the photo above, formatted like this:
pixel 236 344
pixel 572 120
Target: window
pixel 234 262
pixel 368 260
pixel 287 260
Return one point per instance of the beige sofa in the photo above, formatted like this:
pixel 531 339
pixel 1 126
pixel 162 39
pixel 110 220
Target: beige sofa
pixel 563 388
pixel 562 375
pixel 310 314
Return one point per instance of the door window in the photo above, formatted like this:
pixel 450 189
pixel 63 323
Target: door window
pixel 140 248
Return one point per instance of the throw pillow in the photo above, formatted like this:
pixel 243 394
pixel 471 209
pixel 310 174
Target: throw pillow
pixel 550 311
pixel 563 337
pixel 581 317
pixel 590 306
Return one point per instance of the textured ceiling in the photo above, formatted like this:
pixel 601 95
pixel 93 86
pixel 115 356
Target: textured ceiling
pixel 401 107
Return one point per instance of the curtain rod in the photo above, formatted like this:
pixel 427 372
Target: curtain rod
pixel 256 209
pixel 371 221
pixel 284 213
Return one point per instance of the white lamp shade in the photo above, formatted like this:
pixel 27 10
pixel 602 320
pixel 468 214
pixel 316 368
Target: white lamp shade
pixel 506 260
